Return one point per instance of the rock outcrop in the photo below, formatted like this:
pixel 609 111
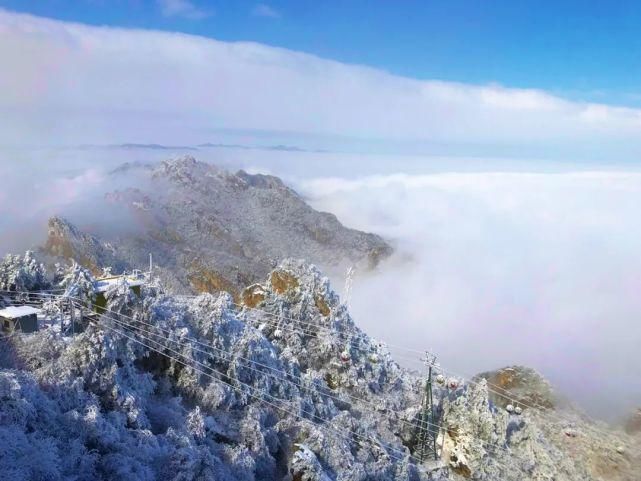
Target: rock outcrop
pixel 66 241
pixel 519 384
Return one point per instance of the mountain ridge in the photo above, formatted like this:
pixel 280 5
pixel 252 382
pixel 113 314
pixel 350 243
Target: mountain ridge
pixel 210 229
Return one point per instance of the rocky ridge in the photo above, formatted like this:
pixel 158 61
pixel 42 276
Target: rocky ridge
pixel 211 230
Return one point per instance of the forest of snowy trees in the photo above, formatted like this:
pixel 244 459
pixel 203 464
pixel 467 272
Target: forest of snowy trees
pixel 204 387
pixel 100 405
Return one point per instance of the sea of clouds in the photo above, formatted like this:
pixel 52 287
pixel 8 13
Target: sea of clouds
pixel 500 259
pixel 493 269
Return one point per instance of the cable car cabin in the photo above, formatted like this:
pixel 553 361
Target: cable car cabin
pixel 103 284
pixel 19 319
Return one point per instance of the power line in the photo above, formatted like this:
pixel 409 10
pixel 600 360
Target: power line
pixel 409 456
pixel 260 399
pixel 326 394
pixel 507 397
pixel 544 412
pixel 425 423
pixel 490 387
pixel 175 341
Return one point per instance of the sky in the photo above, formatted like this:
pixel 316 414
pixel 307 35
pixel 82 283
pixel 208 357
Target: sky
pixel 65 83
pixel 581 50
pixel 496 149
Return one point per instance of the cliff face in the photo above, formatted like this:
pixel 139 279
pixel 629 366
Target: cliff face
pixel 210 229
pixel 65 241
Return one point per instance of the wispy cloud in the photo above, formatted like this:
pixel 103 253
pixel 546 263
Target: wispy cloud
pixel 264 10
pixel 182 8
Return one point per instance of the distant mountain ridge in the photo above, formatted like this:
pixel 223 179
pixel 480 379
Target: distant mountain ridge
pixel 209 229
pixel 193 148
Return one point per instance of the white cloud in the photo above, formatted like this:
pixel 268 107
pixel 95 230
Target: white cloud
pixel 537 269
pixel 182 8
pixel 65 82
pixel 263 10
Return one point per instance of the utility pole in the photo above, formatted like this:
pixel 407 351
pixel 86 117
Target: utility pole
pixel 427 431
pixel 151 267
pixel 72 315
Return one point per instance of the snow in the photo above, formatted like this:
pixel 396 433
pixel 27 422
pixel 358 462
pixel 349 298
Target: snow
pixel 99 405
pixel 104 284
pixel 13 312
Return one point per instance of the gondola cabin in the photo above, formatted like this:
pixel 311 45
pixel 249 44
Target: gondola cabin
pixel 19 319
pixel 102 285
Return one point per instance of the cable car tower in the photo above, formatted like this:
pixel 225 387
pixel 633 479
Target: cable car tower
pixel 427 431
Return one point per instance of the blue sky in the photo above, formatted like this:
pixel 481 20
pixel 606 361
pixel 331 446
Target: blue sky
pixel 552 81
pixel 579 50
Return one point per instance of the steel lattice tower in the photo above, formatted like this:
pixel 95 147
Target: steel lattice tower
pixel 427 430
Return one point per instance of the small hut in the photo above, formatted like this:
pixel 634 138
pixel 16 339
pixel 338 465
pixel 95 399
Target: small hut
pixel 19 318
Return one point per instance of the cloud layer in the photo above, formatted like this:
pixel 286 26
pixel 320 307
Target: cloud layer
pixel 494 269
pixel 65 82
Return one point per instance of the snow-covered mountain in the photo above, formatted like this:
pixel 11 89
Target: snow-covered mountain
pixel 209 229
pixel 264 376
pixel 281 387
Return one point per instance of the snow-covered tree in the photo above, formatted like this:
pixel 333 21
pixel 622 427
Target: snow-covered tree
pixel 120 297
pixel 58 274
pixel 78 282
pixel 22 273
pixel 174 398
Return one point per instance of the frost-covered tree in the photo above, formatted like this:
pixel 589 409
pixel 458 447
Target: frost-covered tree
pixel 58 274
pixel 22 273
pixel 78 282
pixel 120 297
pixel 199 390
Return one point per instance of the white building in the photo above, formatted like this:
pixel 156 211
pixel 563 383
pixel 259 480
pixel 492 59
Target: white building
pixel 19 318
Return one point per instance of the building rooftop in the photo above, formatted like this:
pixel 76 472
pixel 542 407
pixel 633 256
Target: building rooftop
pixel 14 312
pixel 104 283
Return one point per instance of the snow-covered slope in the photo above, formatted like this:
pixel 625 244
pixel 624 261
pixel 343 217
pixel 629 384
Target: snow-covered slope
pixel 283 386
pixel 210 229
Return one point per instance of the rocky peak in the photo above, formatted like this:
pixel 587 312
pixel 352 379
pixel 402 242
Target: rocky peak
pixel 128 167
pixel 523 383
pixel 184 170
pixel 65 241
pixel 62 228
pixel 261 181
